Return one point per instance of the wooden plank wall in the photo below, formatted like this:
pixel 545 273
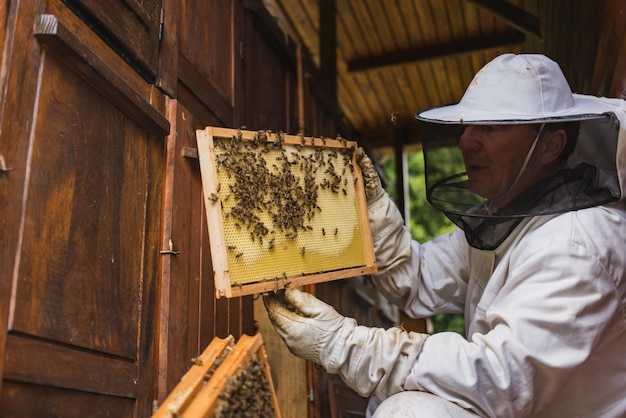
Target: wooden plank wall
pixel 588 42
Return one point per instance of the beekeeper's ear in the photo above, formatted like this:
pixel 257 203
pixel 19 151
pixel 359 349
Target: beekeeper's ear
pixel 553 145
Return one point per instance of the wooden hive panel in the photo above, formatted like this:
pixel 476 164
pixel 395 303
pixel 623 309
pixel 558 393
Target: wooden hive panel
pixel 282 210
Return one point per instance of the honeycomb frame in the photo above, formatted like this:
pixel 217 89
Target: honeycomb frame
pixel 214 381
pixel 282 210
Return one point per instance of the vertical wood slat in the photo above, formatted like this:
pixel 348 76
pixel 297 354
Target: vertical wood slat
pixel 15 145
pixel 609 49
pixel 328 52
pixel 167 70
pixel 165 262
pixel 615 40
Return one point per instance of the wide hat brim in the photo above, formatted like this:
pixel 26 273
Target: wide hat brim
pixel 585 107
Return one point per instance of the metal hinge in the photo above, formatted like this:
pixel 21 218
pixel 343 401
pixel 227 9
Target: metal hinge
pixel 161 25
pixel 170 249
pixel 242 50
pixel 3 165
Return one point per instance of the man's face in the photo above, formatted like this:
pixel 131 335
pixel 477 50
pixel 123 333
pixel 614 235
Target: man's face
pixel 494 155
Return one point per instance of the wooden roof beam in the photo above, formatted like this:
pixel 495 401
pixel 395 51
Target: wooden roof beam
pixel 426 53
pixel 515 16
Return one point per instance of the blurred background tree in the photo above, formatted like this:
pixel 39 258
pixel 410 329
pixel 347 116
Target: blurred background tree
pixel 425 222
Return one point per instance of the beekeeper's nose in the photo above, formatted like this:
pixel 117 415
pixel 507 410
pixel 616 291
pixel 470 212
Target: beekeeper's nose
pixel 470 139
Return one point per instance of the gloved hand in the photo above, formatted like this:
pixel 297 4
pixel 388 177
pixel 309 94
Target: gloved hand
pixel 306 324
pixel 369 360
pixel 392 241
pixel 373 187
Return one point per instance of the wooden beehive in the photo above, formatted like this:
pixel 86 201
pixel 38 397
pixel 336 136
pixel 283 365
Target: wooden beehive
pixel 227 380
pixel 282 210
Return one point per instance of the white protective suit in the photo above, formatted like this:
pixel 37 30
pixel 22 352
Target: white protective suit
pixel 545 313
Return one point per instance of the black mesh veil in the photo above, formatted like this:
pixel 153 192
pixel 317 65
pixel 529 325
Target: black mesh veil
pixel 591 179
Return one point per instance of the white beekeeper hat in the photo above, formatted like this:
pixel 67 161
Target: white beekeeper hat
pixel 519 89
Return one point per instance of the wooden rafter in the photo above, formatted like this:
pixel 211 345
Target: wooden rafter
pixel 513 15
pixel 411 56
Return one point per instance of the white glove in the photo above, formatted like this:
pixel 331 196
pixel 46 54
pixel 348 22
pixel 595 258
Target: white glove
pixel 373 187
pixel 392 241
pixel 369 360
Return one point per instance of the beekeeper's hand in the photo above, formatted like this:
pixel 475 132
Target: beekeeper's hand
pixel 369 360
pixel 373 188
pixel 392 241
pixel 305 323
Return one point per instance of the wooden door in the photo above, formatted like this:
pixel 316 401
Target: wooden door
pixel 83 135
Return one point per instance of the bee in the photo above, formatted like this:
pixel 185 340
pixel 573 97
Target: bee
pixel 214 197
pixel 280 139
pixel 302 251
pixel 336 231
pixel 323 232
pixel 238 255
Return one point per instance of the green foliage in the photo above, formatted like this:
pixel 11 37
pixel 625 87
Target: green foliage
pixel 448 322
pixel 425 222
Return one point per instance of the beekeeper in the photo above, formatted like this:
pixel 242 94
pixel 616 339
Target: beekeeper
pixel 534 177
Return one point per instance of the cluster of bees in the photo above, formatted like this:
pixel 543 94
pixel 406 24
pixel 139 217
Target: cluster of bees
pixel 273 187
pixel 246 394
